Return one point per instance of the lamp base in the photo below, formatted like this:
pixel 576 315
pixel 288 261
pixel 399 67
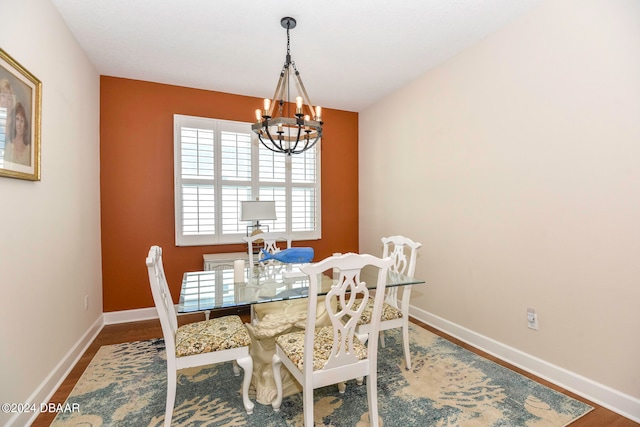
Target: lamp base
pixel 252 230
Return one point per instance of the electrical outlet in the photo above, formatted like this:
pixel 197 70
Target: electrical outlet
pixel 86 302
pixel 532 319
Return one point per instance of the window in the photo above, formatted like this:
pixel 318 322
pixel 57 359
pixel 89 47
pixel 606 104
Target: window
pixel 219 163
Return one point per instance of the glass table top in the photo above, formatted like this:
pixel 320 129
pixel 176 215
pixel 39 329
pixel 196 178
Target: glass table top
pixel 209 290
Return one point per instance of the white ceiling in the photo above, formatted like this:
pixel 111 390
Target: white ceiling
pixel 350 53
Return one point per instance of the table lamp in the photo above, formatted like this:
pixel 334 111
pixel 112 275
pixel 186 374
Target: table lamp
pixel 257 211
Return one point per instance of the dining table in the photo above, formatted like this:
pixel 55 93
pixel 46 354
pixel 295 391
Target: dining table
pixel 276 293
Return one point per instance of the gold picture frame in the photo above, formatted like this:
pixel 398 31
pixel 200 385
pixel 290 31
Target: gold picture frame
pixel 20 116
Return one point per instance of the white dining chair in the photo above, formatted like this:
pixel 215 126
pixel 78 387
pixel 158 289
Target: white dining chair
pixel 395 310
pixel 268 241
pixel 208 342
pixel 317 357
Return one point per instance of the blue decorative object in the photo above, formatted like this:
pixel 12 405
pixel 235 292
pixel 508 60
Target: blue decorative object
pixel 291 255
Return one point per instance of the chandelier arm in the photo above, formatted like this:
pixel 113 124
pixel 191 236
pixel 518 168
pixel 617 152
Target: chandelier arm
pixel 275 144
pixel 306 142
pixel 267 146
pixel 306 147
pixel 279 89
pixel 285 88
pixel 297 139
pixel 303 91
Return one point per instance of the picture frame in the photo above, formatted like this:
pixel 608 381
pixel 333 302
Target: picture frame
pixel 20 117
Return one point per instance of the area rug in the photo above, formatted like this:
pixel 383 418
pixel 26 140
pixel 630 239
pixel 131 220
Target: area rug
pixel 125 385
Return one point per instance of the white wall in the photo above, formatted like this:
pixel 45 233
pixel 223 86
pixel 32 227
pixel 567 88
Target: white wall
pixel 517 165
pixel 50 244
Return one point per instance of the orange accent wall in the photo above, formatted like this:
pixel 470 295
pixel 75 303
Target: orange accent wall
pixel 136 183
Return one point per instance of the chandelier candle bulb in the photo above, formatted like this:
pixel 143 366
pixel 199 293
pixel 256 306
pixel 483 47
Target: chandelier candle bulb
pixel 267 104
pixel 258 115
pixel 298 105
pixel 318 113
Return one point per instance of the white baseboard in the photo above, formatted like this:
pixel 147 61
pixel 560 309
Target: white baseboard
pixel 621 403
pixel 125 316
pixel 45 390
pixel 136 315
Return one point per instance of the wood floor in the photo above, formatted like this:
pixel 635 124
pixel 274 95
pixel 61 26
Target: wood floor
pixel 114 334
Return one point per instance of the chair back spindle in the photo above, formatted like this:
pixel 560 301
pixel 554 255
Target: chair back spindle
pixel 268 241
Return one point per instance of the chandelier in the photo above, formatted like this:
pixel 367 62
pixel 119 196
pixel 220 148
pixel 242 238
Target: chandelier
pixel 288 134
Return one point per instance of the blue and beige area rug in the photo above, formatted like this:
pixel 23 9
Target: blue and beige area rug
pixel 125 385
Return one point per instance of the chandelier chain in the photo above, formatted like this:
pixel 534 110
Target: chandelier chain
pixel 288 44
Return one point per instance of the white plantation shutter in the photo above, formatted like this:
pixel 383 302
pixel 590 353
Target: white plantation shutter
pixel 272 166
pixel 303 167
pixel 279 195
pixel 220 163
pixel 236 155
pixel 198 198
pixel 198 209
pixel 304 195
pixel 303 211
pixel 230 215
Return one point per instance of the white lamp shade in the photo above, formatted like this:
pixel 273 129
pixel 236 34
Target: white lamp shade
pixel 258 210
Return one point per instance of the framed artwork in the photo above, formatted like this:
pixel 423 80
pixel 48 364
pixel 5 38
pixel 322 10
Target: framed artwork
pixel 20 110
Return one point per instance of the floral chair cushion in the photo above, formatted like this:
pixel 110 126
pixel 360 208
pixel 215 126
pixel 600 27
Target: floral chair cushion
pixel 222 333
pixel 293 346
pixel 389 312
